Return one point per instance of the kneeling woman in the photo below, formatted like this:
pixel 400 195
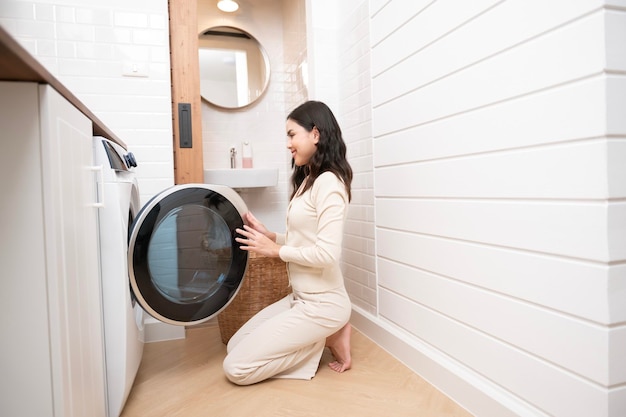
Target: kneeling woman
pixel 287 338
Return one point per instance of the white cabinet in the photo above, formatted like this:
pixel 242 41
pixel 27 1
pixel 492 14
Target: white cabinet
pixel 51 348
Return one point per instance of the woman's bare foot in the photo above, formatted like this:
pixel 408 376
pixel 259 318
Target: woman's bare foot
pixel 339 344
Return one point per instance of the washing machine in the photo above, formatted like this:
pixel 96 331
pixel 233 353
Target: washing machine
pixel 123 317
pixel 184 263
pixel 175 258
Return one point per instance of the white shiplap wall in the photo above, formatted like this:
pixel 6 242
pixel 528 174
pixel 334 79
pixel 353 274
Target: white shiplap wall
pixel 500 199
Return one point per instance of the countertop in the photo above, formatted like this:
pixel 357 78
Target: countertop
pixel 17 64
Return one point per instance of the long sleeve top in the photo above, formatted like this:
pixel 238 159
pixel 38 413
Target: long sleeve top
pixel 312 242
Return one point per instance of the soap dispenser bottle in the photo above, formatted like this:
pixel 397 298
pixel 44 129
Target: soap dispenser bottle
pixel 246 155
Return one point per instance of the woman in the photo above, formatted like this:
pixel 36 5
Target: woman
pixel 287 338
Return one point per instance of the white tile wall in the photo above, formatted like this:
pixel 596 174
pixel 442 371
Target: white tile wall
pixel 355 114
pixel 295 53
pixel 91 48
pixel 339 62
pixel 279 28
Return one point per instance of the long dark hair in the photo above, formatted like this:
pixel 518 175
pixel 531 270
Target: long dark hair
pixel 331 149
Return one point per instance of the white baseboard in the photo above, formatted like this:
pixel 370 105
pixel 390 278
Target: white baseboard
pixel 478 395
pixel 156 331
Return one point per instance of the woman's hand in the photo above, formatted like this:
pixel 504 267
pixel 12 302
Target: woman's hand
pixel 255 241
pixel 255 224
pixel 256 237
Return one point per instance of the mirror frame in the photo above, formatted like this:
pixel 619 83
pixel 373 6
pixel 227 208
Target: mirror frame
pixel 235 32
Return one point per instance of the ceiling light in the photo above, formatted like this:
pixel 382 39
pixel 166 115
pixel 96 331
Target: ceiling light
pixel 227 5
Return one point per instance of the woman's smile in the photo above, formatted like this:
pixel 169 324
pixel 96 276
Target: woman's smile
pixel 301 143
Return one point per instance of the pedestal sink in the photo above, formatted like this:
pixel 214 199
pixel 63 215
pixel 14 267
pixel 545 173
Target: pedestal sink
pixel 242 177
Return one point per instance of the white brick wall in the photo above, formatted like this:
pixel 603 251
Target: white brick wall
pixel 355 114
pixel 89 48
pixel 279 28
pixel 338 36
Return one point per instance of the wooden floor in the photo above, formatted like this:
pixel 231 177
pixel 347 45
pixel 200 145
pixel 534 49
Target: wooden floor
pixel 184 378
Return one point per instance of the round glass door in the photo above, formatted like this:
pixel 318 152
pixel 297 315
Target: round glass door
pixel 184 263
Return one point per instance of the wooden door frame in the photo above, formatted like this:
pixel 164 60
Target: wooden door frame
pixel 185 73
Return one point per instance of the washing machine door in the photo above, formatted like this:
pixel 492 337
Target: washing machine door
pixel 184 263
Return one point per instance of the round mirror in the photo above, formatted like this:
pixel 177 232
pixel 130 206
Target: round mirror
pixel 234 68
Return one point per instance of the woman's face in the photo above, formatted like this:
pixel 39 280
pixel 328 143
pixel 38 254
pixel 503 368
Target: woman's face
pixel 301 143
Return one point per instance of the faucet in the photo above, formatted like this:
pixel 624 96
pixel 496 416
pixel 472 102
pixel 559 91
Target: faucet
pixel 233 154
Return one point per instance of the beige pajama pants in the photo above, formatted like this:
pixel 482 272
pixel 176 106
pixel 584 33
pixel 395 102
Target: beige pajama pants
pixel 287 338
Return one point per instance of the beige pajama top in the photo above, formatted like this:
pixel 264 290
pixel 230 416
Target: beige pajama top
pixel 312 243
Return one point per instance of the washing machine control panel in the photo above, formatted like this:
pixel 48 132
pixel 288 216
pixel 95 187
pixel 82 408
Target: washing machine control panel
pixel 119 159
pixel 131 162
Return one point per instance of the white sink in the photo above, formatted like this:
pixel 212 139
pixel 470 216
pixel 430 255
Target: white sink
pixel 242 177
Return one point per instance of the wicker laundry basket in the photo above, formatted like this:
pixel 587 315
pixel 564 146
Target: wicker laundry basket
pixel 265 282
